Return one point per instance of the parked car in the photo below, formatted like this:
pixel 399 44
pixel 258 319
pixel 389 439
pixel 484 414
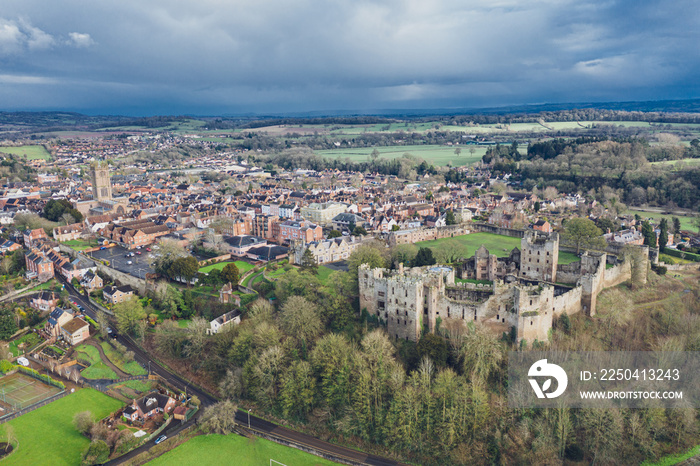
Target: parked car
pixel 161 438
pixel 25 362
pixel 102 248
pixel 138 253
pixel 148 249
pixel 129 262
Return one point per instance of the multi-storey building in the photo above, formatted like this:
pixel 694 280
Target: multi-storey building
pixel 263 226
pixel 305 231
pixel 322 213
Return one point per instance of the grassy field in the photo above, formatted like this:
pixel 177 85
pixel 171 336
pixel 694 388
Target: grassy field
pixel 243 267
pixel 47 435
pixel 97 369
pixel 30 152
pixel 234 449
pixel 437 155
pixel 499 245
pixel 657 216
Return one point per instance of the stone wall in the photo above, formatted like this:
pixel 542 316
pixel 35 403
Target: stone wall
pixel 117 276
pixel 486 228
pixel 569 273
pixel 137 284
pixel 425 234
pixel 617 274
pixel 569 302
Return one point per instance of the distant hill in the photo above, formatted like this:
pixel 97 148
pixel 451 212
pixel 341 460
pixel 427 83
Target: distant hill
pixel 27 122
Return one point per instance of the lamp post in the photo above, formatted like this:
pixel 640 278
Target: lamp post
pixel 249 419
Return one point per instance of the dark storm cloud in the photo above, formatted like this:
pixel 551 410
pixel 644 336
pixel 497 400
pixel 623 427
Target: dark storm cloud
pixel 264 56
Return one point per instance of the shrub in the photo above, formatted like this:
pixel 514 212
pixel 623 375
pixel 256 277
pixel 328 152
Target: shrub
pixel 6 366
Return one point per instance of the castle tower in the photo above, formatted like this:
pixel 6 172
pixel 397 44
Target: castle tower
pixel 101 184
pixel 539 256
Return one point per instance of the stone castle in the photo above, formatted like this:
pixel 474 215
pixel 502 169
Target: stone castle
pixel 528 290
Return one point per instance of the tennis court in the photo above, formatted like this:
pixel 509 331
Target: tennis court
pixel 19 390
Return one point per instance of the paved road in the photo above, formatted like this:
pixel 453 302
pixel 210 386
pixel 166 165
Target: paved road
pixel 206 399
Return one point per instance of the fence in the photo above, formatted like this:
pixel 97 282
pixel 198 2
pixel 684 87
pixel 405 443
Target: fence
pixel 41 377
pixel 11 416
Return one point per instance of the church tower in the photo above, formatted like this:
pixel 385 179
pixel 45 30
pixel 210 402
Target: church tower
pixel 101 184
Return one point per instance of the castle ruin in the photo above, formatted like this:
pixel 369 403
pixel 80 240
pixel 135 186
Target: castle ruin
pixel 527 290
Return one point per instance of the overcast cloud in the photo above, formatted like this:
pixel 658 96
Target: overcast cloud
pixel 214 57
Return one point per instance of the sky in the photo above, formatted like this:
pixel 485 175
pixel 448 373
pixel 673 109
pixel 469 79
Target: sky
pixel 206 57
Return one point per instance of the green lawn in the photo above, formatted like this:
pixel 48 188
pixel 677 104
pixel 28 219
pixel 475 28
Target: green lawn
pixel 437 155
pixel 30 152
pixel 47 435
pixel 324 273
pixel 243 267
pixel 132 368
pixel 234 449
pixel 97 369
pixel 499 245
pixel 80 245
pixel 138 385
pixel 657 216
pixel 567 257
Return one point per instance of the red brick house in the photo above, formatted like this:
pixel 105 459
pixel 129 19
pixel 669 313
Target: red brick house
pixel 149 406
pixel 38 266
pixel 542 225
pixel 33 237
pixel 45 301
pixel 306 231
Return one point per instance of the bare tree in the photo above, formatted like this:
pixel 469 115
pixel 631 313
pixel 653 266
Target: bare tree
pixel 75 375
pixel 10 437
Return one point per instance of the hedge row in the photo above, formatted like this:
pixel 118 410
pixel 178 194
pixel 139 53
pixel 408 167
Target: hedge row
pixel 42 377
pixel 686 255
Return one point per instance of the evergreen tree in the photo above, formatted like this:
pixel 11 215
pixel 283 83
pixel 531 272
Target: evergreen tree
pixel 676 225
pixel 648 234
pixel 308 262
pixel 663 234
pixel 450 218
pixel 230 273
pixel 424 257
